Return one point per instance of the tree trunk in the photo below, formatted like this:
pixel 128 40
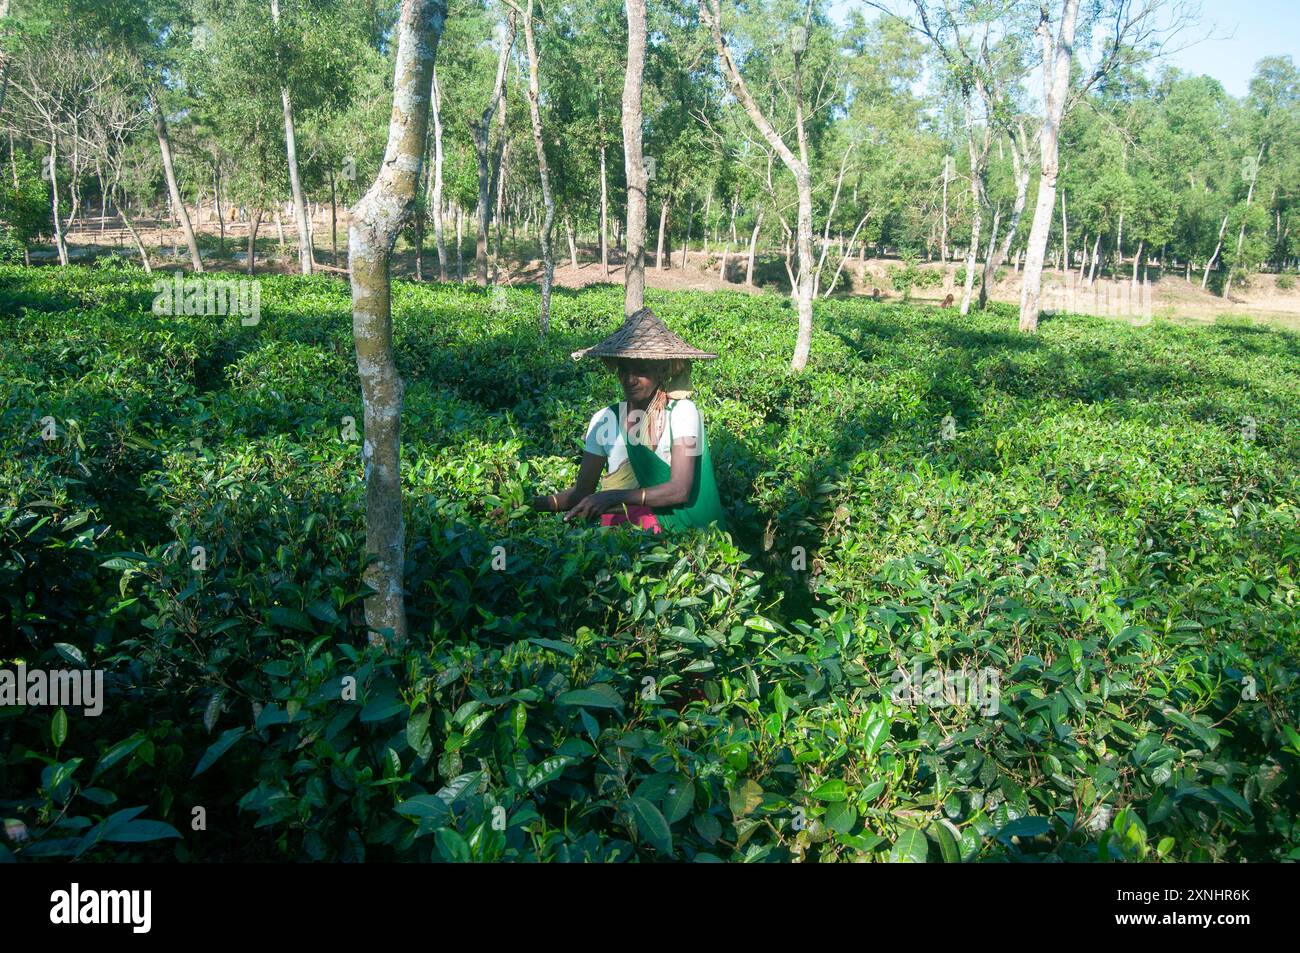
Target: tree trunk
pixel 334 222
pixel 1092 268
pixel 604 217
pixel 305 258
pixel 989 258
pixel 710 13
pixel 845 255
pixel 804 289
pixel 573 247
pixel 60 242
pixel 708 207
pixel 1241 234
pixel 663 225
pixel 480 131
pixel 731 237
pixel 76 201
pixel 417 215
pixel 548 259
pixel 221 219
pixel 826 233
pixel 788 249
pixel 686 243
pixel 174 224
pixel 252 237
pixel 135 236
pixel 977 221
pixel 373 228
pixel 1056 85
pixel 1065 235
pixel 499 170
pixel 460 226
pixel 633 160
pixel 753 248
pixel 1209 265
pixel 978 154
pixel 1137 259
pixel 169 171
pixel 943 228
pixel 438 158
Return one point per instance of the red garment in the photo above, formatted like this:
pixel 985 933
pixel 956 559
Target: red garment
pixel 643 517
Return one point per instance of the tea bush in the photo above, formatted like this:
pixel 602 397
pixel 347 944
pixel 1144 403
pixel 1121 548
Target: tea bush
pixel 959 277
pixel 1101 519
pixel 909 275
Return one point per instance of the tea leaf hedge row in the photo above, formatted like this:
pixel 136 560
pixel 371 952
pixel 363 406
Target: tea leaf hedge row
pixel 1105 529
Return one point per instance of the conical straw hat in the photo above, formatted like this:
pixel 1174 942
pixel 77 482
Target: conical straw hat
pixel 644 336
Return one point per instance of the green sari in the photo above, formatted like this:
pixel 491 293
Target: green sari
pixel 702 507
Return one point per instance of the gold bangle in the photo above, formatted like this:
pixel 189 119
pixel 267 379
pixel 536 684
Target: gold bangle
pixel 643 497
pixel 555 502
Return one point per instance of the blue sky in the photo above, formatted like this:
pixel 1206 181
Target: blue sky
pixel 1242 32
pixel 1257 28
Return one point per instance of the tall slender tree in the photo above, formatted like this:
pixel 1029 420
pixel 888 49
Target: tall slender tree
pixel 376 221
pixel 1132 31
pixel 1058 51
pixel 799 166
pixel 634 160
pixel 489 164
pixel 305 259
pixel 543 172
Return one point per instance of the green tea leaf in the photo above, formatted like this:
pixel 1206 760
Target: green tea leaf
pixel 651 825
pixel 911 847
pixel 219 747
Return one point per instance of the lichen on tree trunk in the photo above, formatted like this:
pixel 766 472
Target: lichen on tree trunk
pixel 634 161
pixel 374 225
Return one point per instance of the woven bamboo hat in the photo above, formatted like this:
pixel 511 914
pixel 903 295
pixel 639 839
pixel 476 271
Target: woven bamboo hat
pixel 645 337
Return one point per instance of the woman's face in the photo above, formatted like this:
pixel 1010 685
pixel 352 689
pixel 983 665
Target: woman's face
pixel 640 380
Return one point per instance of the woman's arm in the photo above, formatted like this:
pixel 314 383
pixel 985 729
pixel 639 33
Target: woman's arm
pixel 592 466
pixel 673 493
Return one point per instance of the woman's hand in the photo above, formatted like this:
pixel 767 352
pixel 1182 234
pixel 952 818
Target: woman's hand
pixel 588 475
pixel 591 507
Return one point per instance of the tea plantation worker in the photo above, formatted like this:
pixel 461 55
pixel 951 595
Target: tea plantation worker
pixel 652 443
